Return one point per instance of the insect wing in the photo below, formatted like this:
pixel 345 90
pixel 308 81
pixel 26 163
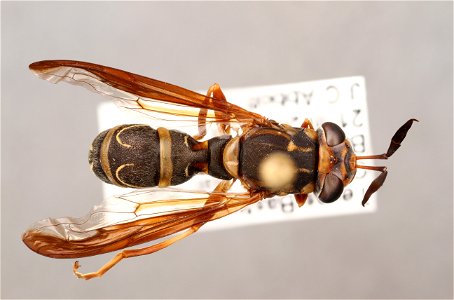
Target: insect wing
pixel 131 219
pixel 144 95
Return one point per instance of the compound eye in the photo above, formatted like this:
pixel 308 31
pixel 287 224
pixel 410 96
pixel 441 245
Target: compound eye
pixel 333 133
pixel 332 189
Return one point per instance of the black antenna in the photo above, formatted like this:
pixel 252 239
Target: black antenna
pixel 396 140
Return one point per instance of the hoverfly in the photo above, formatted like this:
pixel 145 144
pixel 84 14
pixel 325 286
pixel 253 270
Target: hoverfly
pixel 266 157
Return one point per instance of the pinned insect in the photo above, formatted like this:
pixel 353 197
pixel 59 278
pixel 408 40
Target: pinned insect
pixel 268 159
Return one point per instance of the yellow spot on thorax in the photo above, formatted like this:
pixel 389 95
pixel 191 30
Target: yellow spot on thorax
pixel 292 147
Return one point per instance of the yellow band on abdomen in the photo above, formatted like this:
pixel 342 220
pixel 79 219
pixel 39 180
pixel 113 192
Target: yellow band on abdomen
pixel 165 151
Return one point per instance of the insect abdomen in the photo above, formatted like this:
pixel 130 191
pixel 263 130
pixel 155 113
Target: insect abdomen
pixel 139 156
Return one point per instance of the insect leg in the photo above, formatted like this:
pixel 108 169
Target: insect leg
pixel 213 93
pixel 134 252
pixel 218 192
pixel 307 124
pixel 300 199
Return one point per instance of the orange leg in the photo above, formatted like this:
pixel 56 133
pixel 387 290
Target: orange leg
pixel 213 93
pixel 307 124
pixel 222 187
pixel 300 199
pixel 134 252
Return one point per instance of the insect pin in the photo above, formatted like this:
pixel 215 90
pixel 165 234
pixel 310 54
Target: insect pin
pixel 266 157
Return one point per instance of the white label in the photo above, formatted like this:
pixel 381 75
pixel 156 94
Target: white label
pixel 339 100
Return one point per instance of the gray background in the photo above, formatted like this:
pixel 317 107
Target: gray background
pixel 403 49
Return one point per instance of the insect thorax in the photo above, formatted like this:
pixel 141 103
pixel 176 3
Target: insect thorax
pixel 278 161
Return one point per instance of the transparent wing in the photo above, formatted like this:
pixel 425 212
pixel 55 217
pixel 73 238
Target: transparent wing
pixel 156 99
pixel 134 218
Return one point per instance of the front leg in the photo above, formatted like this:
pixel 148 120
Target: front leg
pixel 307 124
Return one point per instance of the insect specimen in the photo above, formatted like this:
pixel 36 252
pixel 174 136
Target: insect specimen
pixel 267 157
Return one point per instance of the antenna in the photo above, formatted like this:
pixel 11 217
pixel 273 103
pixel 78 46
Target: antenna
pixel 396 140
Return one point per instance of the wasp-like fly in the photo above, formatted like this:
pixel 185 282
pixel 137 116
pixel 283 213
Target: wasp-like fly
pixel 268 159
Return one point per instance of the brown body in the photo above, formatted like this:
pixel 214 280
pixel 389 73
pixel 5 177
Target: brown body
pixel 268 158
pixel 263 159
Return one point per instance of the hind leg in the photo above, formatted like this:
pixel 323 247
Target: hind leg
pixel 214 93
